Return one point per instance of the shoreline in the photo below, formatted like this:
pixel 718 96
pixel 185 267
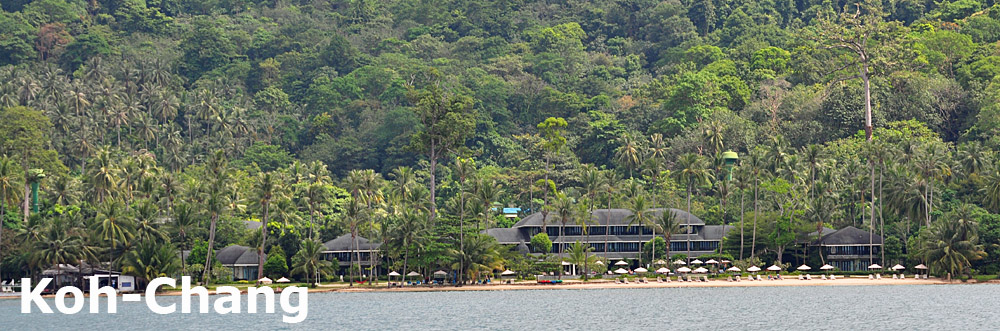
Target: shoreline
pixel 603 284
pixel 609 284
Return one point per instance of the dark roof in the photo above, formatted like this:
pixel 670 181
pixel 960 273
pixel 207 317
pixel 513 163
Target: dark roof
pixel 602 217
pixel 251 225
pixel 507 235
pixel 850 236
pixel 238 255
pixel 523 248
pixel 345 244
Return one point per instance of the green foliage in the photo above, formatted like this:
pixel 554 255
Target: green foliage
pixel 276 265
pixel 541 242
pixel 266 157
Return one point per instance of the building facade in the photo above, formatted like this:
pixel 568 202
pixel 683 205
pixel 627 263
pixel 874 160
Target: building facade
pixel 850 248
pixel 624 240
pixel 343 249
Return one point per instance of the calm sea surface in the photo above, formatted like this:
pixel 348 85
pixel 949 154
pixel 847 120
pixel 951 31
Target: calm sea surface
pixel 951 307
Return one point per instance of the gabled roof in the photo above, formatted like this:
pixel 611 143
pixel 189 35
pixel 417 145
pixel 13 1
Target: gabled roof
pixel 850 236
pixel 605 216
pixel 344 243
pixel 238 255
pixel 507 235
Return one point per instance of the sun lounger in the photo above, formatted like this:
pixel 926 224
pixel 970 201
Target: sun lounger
pixel 871 277
pixel 617 281
pixel 823 277
pixel 626 280
pixel 668 279
pixel 809 277
pixel 760 279
pixel 750 278
pixel 737 279
pixel 878 276
pixel 833 277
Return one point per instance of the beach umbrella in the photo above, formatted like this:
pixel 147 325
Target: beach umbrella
pixel 774 267
pixel 898 267
pixel 726 261
pixel 622 262
pixel 683 269
pixel 874 266
pixel 413 274
pixel 283 280
pixel 440 274
pixel 507 273
pixel 826 267
pixel 265 280
pixel 697 261
pixel 734 269
pixel 641 270
pixel 921 267
pixel 391 274
pixel 599 262
pixel 803 268
pixel 753 269
pixel 700 270
pixel 661 262
pixel 663 270
pixel 679 262
pixel 712 261
pixel 621 271
pixel 565 263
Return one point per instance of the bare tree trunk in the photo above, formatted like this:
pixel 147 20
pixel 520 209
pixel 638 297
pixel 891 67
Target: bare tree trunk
pixel 742 213
pixel 263 240
pixel 208 257
pixel 753 241
pixel 433 160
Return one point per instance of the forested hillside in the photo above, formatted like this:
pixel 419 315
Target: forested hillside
pixel 162 125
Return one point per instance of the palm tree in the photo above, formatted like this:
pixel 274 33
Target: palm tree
pixel 487 192
pixel 463 169
pixel 6 185
pixel 610 179
pixel 353 221
pixel 756 165
pixel 185 221
pixel 113 225
pixel 218 168
pixel 57 246
pixel 308 260
pixel 265 187
pixel 151 260
pixel 641 216
pixel 410 230
pixel 629 152
pixel 481 255
pixel 692 170
pixel 564 206
pixel 950 247
pixel 666 224
pixel 144 214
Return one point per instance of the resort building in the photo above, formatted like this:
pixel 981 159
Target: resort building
pixel 624 240
pixel 242 260
pixel 340 248
pixel 848 249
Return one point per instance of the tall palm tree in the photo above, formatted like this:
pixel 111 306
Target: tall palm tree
pixel 610 179
pixel 950 247
pixel 411 229
pixel 151 260
pixel 113 225
pixel 353 212
pixel 755 163
pixel 641 216
pixel 665 224
pixel 7 184
pixel 264 188
pixel 185 222
pixel 308 261
pixel 564 207
pixel 629 153
pixel 692 170
pixel 219 171
pixel 464 168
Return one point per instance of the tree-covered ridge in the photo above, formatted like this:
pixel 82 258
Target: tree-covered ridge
pixel 131 101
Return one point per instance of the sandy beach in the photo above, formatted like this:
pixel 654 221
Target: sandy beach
pixel 601 284
pixel 605 284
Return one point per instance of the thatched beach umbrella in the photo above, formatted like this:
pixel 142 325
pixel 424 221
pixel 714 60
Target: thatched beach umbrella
pixel 621 263
pixel 283 280
pixel 700 270
pixel 663 270
pixel 684 270
pixel 753 269
pixel 679 262
pixel 696 261
pixel 803 268
pixel 641 270
pixel 265 281
pixel 734 269
pixel 621 271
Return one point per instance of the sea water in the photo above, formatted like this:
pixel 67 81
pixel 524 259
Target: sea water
pixel 913 307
